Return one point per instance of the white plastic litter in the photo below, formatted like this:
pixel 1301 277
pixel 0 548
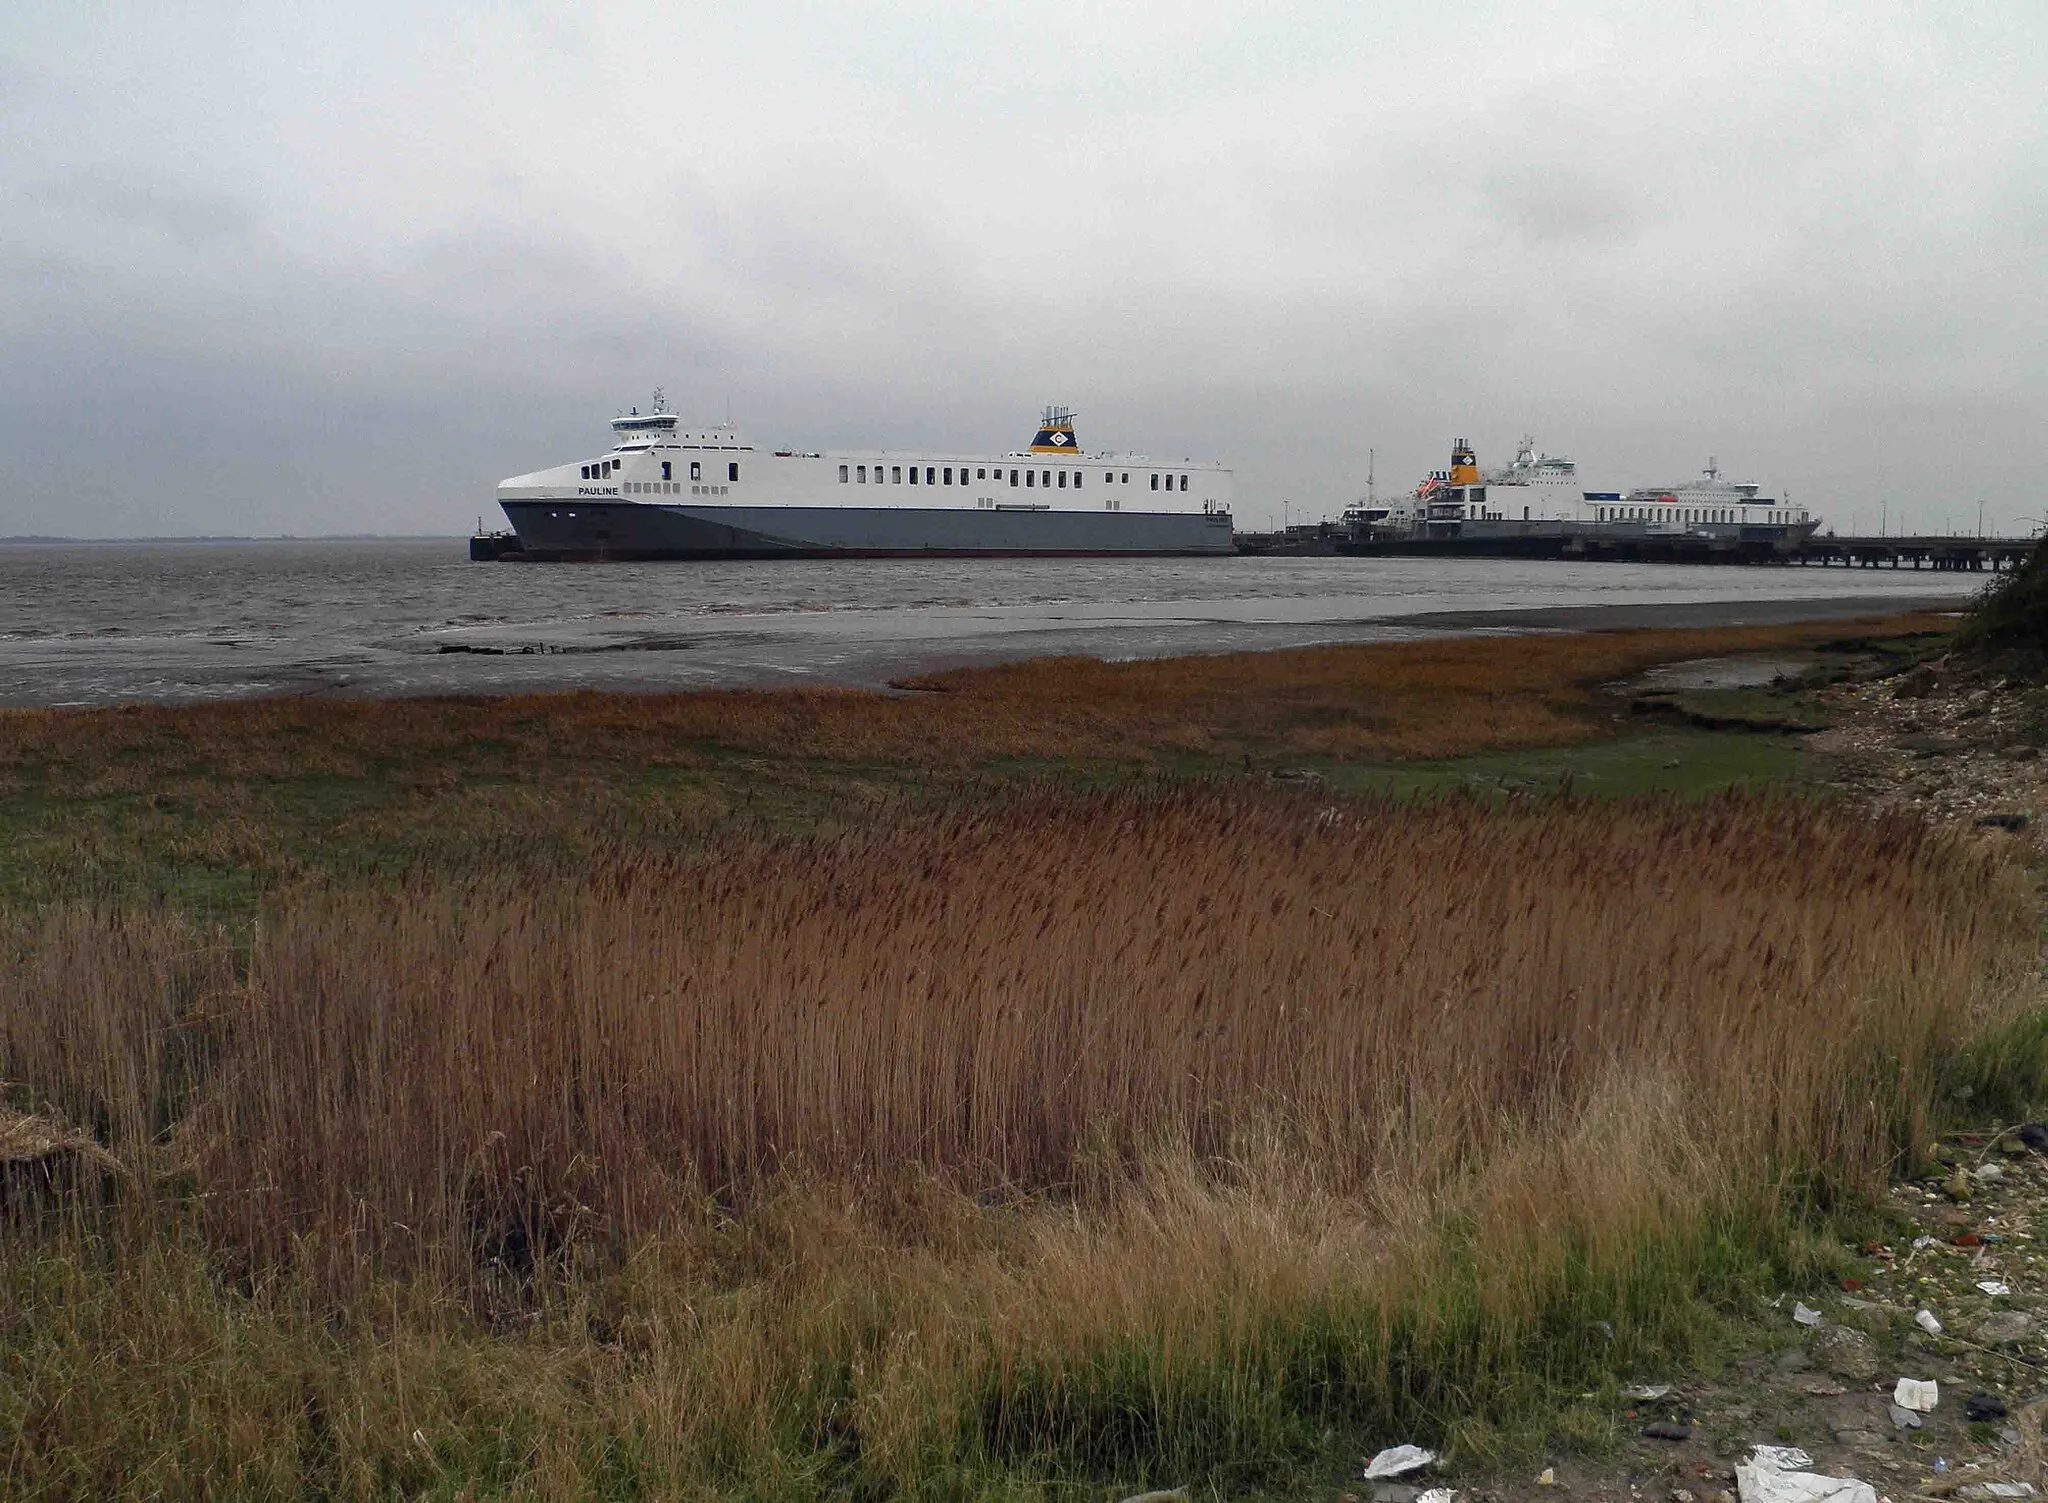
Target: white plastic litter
pixel 1646 1391
pixel 1439 1495
pixel 1780 1458
pixel 1397 1461
pixel 1994 1287
pixel 1805 1315
pixel 2006 1489
pixel 1921 1244
pixel 1918 1394
pixel 1764 1484
pixel 1905 1419
pixel 1925 1321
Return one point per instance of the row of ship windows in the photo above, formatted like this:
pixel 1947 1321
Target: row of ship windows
pixel 943 475
pixel 1687 514
pixel 602 470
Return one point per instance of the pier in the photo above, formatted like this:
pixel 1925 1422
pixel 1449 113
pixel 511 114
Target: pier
pixel 1933 551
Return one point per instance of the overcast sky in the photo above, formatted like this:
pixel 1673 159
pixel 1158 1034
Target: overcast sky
pixel 269 268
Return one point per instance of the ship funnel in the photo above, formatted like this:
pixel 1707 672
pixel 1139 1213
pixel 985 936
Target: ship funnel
pixel 1055 432
pixel 1464 466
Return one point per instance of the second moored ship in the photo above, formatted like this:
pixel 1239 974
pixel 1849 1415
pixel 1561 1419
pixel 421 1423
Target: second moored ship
pixel 1539 496
pixel 667 491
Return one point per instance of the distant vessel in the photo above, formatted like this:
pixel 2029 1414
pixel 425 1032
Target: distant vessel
pixel 665 490
pixel 1708 505
pixel 1539 495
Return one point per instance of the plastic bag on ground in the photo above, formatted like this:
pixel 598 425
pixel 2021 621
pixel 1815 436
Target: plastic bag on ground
pixel 1780 1458
pixel 1397 1461
pixel 1918 1394
pixel 1766 1484
pixel 1804 1314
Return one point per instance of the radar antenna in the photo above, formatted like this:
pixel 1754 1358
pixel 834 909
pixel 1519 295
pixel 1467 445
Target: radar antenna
pixel 660 401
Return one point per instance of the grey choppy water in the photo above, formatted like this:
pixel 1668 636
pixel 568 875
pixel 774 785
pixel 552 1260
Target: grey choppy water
pixel 98 623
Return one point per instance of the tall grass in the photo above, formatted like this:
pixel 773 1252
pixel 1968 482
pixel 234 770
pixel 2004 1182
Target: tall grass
pixel 1092 1136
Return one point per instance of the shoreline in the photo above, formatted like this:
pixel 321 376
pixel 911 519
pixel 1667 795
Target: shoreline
pixel 883 671
pixel 786 650
pixel 1575 618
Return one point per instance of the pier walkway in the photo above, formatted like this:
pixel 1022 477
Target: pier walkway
pixel 1962 554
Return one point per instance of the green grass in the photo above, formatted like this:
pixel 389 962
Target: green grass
pixel 220 848
pixel 211 808
pixel 218 844
pixel 1678 760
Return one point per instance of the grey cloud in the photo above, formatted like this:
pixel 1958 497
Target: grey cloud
pixel 125 198
pixel 1551 205
pixel 313 318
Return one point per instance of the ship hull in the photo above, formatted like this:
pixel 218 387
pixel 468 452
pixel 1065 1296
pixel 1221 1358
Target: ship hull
pixel 627 530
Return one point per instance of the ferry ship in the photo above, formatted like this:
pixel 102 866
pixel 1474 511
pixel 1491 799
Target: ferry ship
pixel 667 490
pixel 1539 495
pixel 1709 506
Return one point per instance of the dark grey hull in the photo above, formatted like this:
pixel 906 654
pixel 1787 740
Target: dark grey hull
pixel 552 530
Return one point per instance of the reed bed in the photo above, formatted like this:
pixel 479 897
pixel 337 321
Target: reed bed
pixel 1091 1136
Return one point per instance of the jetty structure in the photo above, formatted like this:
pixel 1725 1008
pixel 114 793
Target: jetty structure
pixel 1536 506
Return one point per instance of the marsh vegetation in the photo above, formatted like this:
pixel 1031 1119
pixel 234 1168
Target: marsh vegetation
pixel 934 1096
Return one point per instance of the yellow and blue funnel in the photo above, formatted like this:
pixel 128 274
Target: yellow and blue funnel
pixel 1055 433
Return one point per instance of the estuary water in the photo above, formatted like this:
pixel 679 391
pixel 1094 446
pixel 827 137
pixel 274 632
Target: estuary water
pixel 106 622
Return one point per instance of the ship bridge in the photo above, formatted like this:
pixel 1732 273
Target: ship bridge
pixel 658 428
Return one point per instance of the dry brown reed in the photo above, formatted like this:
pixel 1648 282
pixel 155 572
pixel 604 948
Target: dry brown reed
pixel 1089 1134
pixel 998 997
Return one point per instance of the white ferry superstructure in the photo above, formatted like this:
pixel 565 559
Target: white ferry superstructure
pixel 666 490
pixel 1541 494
